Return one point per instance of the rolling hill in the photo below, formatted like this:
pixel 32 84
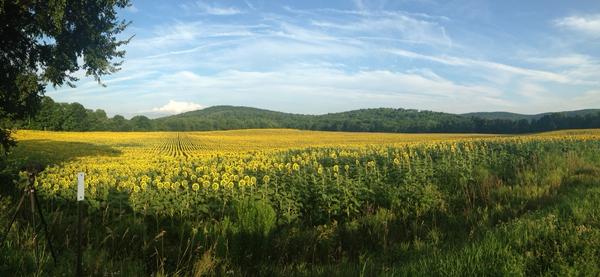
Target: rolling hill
pixel 517 116
pixel 75 117
pixel 366 120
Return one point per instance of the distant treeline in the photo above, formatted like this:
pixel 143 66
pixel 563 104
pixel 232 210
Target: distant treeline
pixel 74 117
pixel 53 116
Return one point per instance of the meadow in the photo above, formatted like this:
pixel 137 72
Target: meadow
pixel 304 203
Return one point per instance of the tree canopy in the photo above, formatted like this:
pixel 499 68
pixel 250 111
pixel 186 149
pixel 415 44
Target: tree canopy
pixel 45 42
pixel 74 117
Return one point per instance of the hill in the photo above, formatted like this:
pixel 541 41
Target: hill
pixel 364 120
pixel 74 117
pixel 378 120
pixel 228 118
pixel 517 116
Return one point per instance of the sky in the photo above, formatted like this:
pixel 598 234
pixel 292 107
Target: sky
pixel 316 57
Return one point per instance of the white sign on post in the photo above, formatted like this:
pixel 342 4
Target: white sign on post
pixel 80 186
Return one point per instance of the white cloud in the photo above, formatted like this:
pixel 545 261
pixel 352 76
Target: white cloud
pixel 575 66
pixel 543 100
pixel 164 36
pixel 460 61
pixel 280 40
pixel 588 24
pixel 327 60
pixel 533 91
pixel 175 107
pixel 562 61
pixel 173 36
pixel 213 9
pixel 406 27
pixel 302 89
pixel 322 88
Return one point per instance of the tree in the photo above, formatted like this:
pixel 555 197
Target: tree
pixel 119 123
pixel 76 118
pixel 141 123
pixel 46 118
pixel 45 42
pixel 98 120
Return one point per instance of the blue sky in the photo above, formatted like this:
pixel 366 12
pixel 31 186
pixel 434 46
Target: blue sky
pixel 316 57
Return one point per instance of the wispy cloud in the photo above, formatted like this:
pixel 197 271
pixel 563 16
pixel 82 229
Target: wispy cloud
pixel 364 5
pixel 403 27
pixel 302 86
pixel 532 91
pixel 461 61
pixel 574 66
pixel 361 54
pixel 408 27
pixel 214 9
pixel 563 60
pixel 587 24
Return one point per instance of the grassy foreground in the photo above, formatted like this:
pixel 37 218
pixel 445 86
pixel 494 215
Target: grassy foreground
pixel 252 203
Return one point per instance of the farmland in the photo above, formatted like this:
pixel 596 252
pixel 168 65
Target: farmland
pixel 261 202
pixel 299 138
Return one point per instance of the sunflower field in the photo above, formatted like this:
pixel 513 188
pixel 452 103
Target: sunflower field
pixel 275 202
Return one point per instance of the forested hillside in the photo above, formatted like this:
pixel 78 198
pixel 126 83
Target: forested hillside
pixel 517 116
pixel 75 117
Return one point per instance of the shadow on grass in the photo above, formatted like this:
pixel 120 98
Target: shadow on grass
pixel 49 152
pixel 42 153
